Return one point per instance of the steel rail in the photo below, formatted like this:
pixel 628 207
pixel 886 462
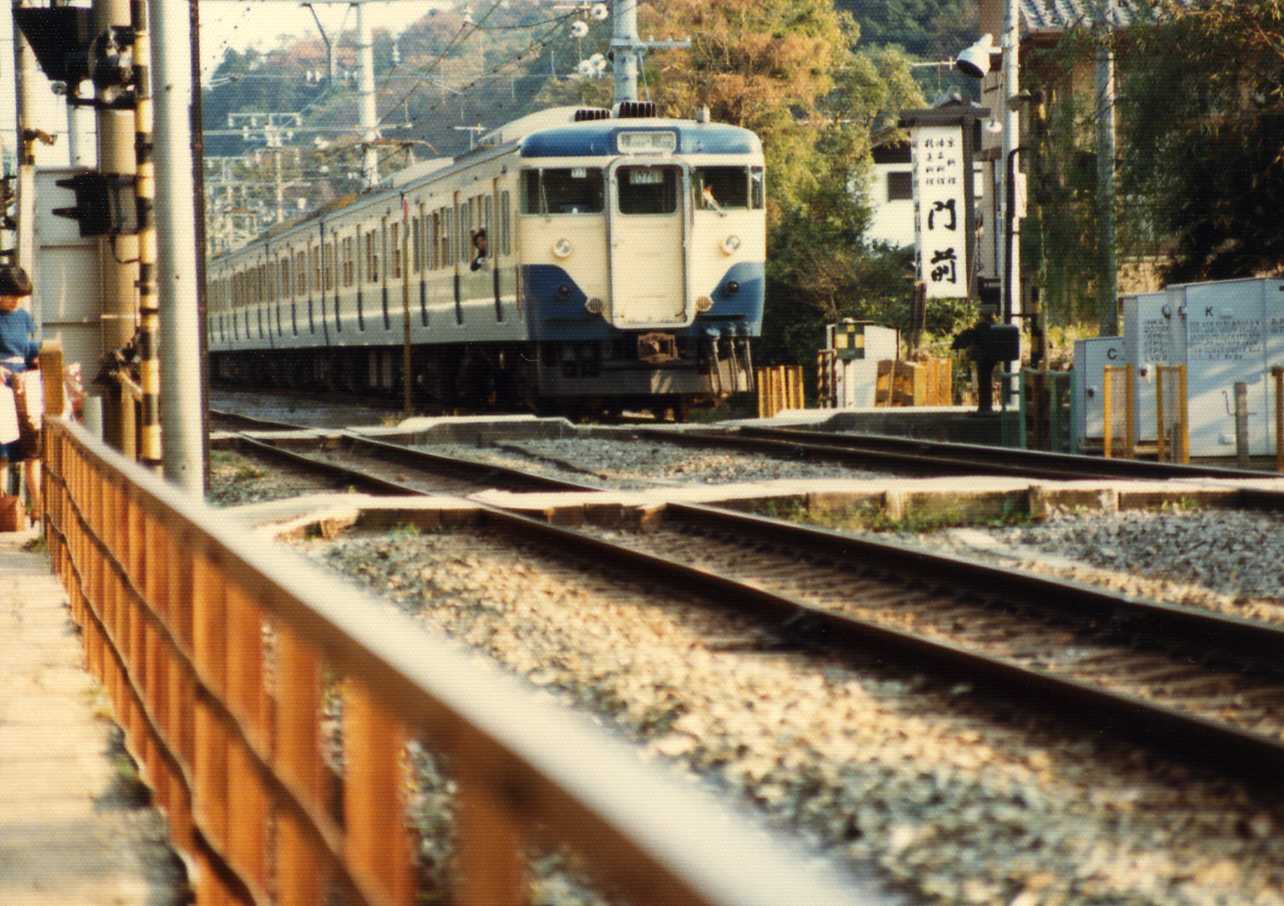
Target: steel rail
pixel 485 474
pixel 979 455
pixel 1220 745
pixel 254 423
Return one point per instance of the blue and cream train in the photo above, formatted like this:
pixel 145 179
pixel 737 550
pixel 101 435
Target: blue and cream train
pixel 623 267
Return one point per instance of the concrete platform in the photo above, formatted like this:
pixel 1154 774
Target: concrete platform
pixel 959 424
pixel 72 830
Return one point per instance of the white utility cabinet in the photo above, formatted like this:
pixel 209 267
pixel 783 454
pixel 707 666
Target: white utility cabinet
pixel 1231 339
pixel 1154 334
pixel 1091 357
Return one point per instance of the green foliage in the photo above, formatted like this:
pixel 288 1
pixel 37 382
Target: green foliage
pixel 931 29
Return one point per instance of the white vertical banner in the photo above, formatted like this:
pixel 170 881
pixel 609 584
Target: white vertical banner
pixel 940 210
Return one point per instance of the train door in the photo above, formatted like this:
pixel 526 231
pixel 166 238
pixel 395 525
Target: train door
pixel 647 226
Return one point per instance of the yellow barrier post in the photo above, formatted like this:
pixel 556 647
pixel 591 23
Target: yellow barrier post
pixel 1278 374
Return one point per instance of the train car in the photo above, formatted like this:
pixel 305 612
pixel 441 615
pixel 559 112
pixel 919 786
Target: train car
pixel 622 266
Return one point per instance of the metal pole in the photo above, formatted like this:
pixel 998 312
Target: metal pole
pixel 1241 424
pixel 278 184
pixel 177 285
pixel 144 205
pixel 1010 248
pixel 119 254
pixel 80 152
pixel 624 44
pixel 407 387
pixel 25 70
pixel 1108 278
pixel 369 116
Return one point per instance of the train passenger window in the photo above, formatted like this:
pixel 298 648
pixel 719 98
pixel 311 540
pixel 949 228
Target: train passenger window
pixel 488 218
pixel 416 239
pixel 300 274
pixel 648 190
pixel 576 190
pixel 372 259
pixel 464 238
pixel 285 278
pixel 447 237
pixel 394 250
pixel 505 223
pixel 720 188
pixel 757 188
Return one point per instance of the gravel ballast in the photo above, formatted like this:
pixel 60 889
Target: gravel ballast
pixel 637 464
pixel 1226 561
pixel 955 796
pixel 236 479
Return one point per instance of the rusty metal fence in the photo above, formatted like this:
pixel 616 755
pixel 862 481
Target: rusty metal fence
pixel 1172 420
pixel 1119 406
pixel 219 659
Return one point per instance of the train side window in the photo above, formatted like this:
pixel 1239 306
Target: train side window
pixel 433 255
pixel 648 190
pixel 416 239
pixel 448 237
pixel 464 238
pixel 372 259
pixel 285 278
pixel 757 188
pixel 394 249
pixel 719 188
pixel 572 190
pixel 300 274
pixel 505 223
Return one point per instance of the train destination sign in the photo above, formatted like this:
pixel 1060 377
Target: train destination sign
pixel 940 209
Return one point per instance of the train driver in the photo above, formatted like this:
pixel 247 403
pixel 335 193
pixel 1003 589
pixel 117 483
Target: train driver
pixel 479 243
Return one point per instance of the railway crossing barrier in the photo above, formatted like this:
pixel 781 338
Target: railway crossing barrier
pixel 1119 413
pixel 1172 422
pixel 221 660
pixel 780 387
pixel 902 383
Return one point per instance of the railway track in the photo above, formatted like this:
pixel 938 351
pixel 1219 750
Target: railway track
pixel 911 456
pixel 383 468
pixel 1207 686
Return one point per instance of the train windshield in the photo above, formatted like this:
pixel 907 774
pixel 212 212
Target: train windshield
pixel 575 190
pixel 648 190
pixel 727 188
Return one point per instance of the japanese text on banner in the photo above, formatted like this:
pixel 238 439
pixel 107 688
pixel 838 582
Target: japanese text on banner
pixel 940 210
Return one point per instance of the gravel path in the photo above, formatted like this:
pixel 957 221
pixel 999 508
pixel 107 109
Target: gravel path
pixel 956 797
pixel 1222 560
pixel 637 464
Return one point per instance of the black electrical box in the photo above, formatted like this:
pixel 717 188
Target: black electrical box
pixel 93 203
pixel 60 37
pixel 999 342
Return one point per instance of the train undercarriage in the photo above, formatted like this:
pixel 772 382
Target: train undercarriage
pixel 568 378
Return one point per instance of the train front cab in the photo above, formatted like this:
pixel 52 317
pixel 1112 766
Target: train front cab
pixel 643 271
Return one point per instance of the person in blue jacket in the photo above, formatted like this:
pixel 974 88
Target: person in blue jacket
pixel 18 351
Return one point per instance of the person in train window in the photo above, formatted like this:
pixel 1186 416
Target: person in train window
pixel 18 351
pixel 479 244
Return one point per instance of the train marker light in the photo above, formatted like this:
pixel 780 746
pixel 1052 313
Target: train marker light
pixel 562 248
pixel 730 245
pixel 704 303
pixel 594 306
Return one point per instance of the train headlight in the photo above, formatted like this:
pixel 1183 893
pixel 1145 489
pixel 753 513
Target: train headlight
pixel 562 248
pixel 704 303
pixel 594 306
pixel 731 245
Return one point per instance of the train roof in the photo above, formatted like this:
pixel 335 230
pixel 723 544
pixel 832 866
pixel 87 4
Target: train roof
pixel 596 138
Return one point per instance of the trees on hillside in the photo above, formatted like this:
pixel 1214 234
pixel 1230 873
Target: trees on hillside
pixel 1202 130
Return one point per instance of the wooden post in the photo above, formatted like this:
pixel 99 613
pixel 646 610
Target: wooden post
pixel 1277 376
pixel 1107 414
pixel 1130 413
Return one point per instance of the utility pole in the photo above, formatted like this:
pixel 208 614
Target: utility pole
pixel 1108 278
pixel 118 252
pixel 25 68
pixel 628 48
pixel 1010 247
pixel 369 114
pixel 182 409
pixel 145 211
